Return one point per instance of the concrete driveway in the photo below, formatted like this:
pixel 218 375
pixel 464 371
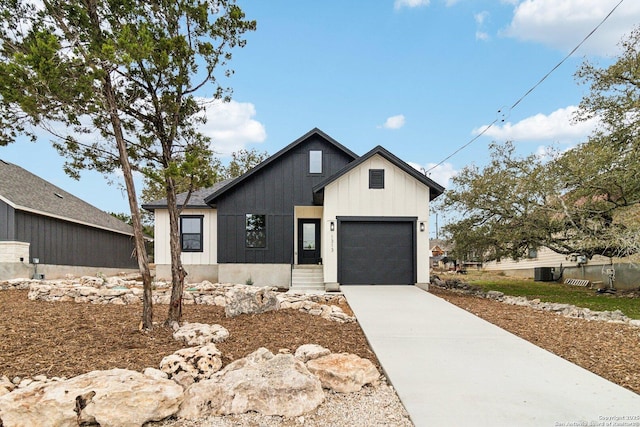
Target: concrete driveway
pixel 451 368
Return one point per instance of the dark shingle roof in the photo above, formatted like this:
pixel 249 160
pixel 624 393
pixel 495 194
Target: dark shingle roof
pixel 195 201
pixel 25 191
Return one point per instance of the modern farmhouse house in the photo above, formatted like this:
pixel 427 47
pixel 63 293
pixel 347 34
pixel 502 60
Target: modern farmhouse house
pixel 313 214
pixel 46 230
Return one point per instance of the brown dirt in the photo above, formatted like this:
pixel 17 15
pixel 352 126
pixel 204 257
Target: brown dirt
pixel 68 339
pixel 607 349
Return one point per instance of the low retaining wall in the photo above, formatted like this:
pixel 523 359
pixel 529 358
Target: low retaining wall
pixel 121 291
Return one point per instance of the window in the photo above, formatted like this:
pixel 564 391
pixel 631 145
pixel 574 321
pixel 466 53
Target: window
pixel 533 253
pixel 376 178
pixel 315 161
pixel 191 233
pixel 256 227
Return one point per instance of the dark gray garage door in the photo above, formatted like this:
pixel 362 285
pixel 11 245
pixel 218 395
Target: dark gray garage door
pixel 376 252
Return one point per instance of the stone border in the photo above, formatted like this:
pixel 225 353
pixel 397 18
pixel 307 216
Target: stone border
pixel 566 310
pixel 123 291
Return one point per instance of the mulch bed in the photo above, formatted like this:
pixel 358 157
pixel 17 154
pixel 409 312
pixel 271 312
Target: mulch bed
pixel 610 350
pixel 66 339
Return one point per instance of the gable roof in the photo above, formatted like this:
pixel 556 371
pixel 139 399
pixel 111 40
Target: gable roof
pixel 435 189
pixel 276 156
pixel 27 192
pixel 197 199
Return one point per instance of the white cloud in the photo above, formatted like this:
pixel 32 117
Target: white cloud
pixel 558 126
pixel 394 122
pixel 231 126
pixel 481 18
pixel 399 4
pixel 440 174
pixel 562 24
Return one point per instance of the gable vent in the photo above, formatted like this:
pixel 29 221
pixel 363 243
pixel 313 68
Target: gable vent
pixel 376 178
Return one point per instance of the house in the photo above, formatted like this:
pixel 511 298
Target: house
pixel 314 212
pixel 439 252
pixel 546 265
pixel 44 225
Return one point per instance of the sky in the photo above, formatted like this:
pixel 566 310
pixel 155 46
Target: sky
pixel 422 78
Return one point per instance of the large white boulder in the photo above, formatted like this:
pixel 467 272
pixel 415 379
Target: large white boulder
pixel 194 334
pixel 344 373
pixel 117 397
pixel 250 300
pixel 262 382
pixel 198 363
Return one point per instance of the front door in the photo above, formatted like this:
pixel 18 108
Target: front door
pixel 309 241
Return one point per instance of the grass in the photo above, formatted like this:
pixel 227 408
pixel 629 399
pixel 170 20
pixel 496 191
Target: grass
pixel 555 292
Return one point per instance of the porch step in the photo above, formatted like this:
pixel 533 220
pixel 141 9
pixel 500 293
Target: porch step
pixel 307 278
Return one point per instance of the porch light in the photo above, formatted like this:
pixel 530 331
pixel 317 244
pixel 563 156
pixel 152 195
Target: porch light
pixel 332 226
pixel 422 226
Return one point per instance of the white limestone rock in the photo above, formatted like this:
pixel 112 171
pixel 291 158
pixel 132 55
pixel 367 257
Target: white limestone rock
pixel 250 300
pixel 308 352
pixel 117 397
pixel 344 373
pixel 199 363
pixel 194 334
pixel 262 382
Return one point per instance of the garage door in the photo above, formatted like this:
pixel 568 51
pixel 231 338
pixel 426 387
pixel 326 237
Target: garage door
pixel 376 252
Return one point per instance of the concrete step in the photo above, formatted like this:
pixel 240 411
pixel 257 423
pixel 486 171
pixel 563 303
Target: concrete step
pixel 307 277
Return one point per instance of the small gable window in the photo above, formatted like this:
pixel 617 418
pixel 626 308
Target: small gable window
pixel 376 178
pixel 191 233
pixel 315 161
pixel 256 231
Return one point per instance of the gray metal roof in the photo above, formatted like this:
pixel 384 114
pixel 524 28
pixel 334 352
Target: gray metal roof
pixel 25 191
pixel 197 199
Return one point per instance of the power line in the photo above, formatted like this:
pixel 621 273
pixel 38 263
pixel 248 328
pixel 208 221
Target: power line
pixel 515 104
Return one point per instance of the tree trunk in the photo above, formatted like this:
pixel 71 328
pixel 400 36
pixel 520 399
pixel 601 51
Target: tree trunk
pixel 177 271
pixel 141 250
pixel 116 123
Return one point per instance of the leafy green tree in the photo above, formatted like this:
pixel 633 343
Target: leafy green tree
pixel 586 200
pixel 503 207
pixel 243 161
pixel 124 75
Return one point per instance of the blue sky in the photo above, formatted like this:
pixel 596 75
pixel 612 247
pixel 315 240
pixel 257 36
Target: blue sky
pixel 419 77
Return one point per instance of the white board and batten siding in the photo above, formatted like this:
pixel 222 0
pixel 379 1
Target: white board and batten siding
pixel 208 256
pixel 402 196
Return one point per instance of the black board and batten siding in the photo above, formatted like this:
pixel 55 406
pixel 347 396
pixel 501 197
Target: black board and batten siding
pixel 7 222
pixel 273 191
pixel 57 242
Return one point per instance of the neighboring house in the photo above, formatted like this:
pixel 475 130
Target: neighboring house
pixel 314 212
pixel 439 250
pixel 64 234
pixel 545 265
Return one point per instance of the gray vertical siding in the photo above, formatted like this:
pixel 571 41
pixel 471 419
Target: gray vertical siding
pixel 7 222
pixel 273 191
pixel 59 242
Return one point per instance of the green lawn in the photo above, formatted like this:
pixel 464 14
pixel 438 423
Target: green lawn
pixel 555 292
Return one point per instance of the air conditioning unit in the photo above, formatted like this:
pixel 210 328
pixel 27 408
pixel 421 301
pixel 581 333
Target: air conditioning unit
pixel 543 274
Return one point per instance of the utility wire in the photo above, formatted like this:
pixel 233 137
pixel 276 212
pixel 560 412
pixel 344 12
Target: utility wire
pixel 515 104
